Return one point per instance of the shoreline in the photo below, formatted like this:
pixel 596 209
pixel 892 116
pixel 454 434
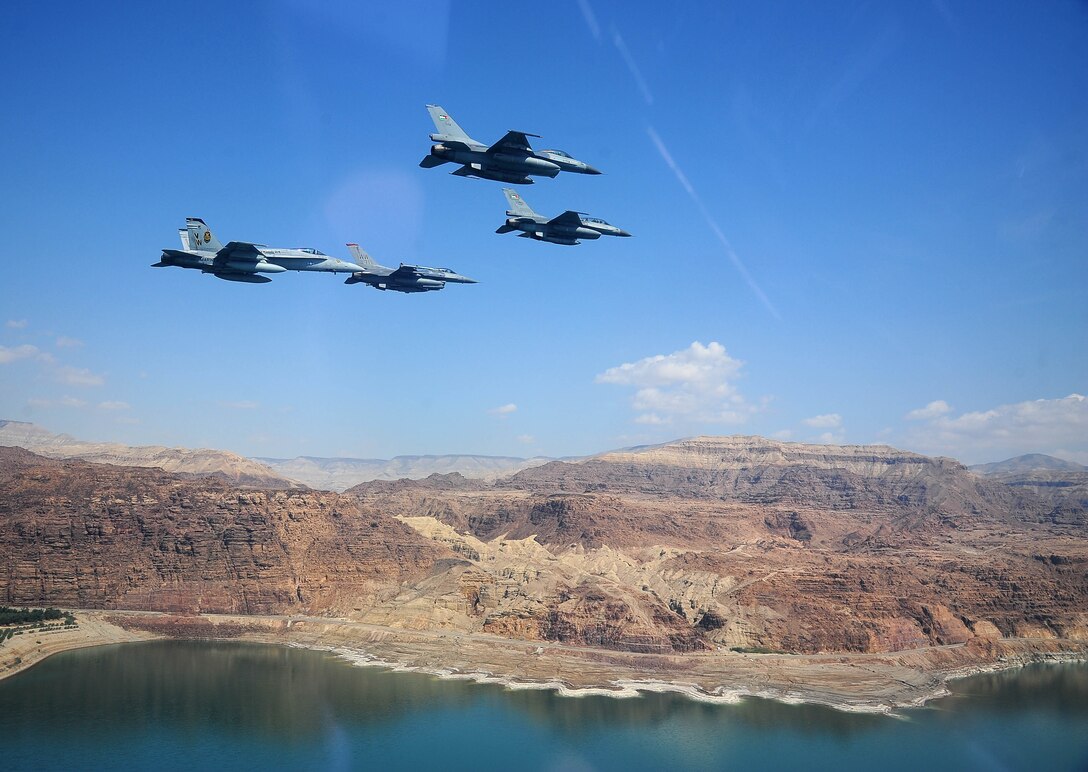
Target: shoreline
pixel 854 683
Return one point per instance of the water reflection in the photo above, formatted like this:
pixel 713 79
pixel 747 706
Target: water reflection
pixel 173 704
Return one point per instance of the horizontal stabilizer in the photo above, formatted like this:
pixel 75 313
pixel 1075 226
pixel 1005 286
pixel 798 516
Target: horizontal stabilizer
pixel 505 229
pixel 432 161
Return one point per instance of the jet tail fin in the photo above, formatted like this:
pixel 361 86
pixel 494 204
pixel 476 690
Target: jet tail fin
pixel 446 127
pixel 518 207
pixel 186 242
pixel 361 257
pixel 200 236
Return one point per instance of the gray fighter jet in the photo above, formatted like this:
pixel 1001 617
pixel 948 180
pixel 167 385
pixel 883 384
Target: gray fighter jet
pixel 406 278
pixel 242 260
pixel 510 160
pixel 567 228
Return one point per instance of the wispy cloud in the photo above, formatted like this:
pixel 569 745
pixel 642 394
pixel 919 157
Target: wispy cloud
pixel 711 222
pixel 15 353
pixel 65 342
pixel 526 439
pixel 78 376
pixel 636 73
pixel 503 410
pixel 826 421
pixel 16 324
pixel 1041 425
pixel 693 384
pixel 113 405
pixel 934 409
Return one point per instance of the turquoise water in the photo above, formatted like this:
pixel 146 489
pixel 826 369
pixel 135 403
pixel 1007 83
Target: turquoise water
pixel 182 705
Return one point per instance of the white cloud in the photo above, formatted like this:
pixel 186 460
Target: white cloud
pixel 16 324
pixel 65 342
pixel 72 402
pixel 526 439
pixel 113 405
pixel 38 402
pixel 826 421
pixel 1041 425
pixel 242 404
pixel 78 376
pixel 832 438
pixel 782 434
pixel 934 409
pixel 694 384
pixel 503 410
pixel 18 352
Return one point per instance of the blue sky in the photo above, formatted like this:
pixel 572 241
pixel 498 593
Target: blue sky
pixel 853 222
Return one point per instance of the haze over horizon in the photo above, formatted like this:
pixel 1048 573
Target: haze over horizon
pixel 861 224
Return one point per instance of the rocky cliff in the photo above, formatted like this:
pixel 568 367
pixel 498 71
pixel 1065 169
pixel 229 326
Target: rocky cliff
pixel 703 544
pixel 98 536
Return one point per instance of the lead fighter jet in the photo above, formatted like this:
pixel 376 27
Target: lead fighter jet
pixel 242 260
pixel 567 228
pixel 510 160
pixel 406 278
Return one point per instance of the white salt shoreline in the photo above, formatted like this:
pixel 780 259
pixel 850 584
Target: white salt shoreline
pixel 628 688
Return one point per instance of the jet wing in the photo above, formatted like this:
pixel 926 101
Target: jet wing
pixel 568 219
pixel 513 142
pixel 240 251
pixel 404 272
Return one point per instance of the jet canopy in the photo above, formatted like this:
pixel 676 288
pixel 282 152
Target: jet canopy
pixel 586 218
pixel 312 251
pixel 560 153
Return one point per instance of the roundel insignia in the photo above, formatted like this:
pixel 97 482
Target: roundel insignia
pixel 207 236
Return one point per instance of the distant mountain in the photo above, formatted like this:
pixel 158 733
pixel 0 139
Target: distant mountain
pixel 756 470
pixel 239 470
pixel 1061 483
pixel 1030 462
pixel 339 474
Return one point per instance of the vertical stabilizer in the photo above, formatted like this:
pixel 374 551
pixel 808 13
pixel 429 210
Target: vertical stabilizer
pixel 518 207
pixel 200 236
pixel 183 234
pixel 446 126
pixel 361 258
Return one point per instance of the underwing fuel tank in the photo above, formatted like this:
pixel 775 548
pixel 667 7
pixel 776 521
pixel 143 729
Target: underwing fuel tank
pixel 427 284
pixel 248 278
pixel 248 267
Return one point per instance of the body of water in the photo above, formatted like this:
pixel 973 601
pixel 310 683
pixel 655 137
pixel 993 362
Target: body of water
pixel 184 705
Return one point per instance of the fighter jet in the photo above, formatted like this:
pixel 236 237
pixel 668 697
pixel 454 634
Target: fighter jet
pixel 242 260
pixel 510 160
pixel 567 228
pixel 406 278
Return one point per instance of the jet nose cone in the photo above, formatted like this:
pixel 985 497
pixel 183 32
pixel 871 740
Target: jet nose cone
pixel 464 280
pixel 622 232
pixel 592 169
